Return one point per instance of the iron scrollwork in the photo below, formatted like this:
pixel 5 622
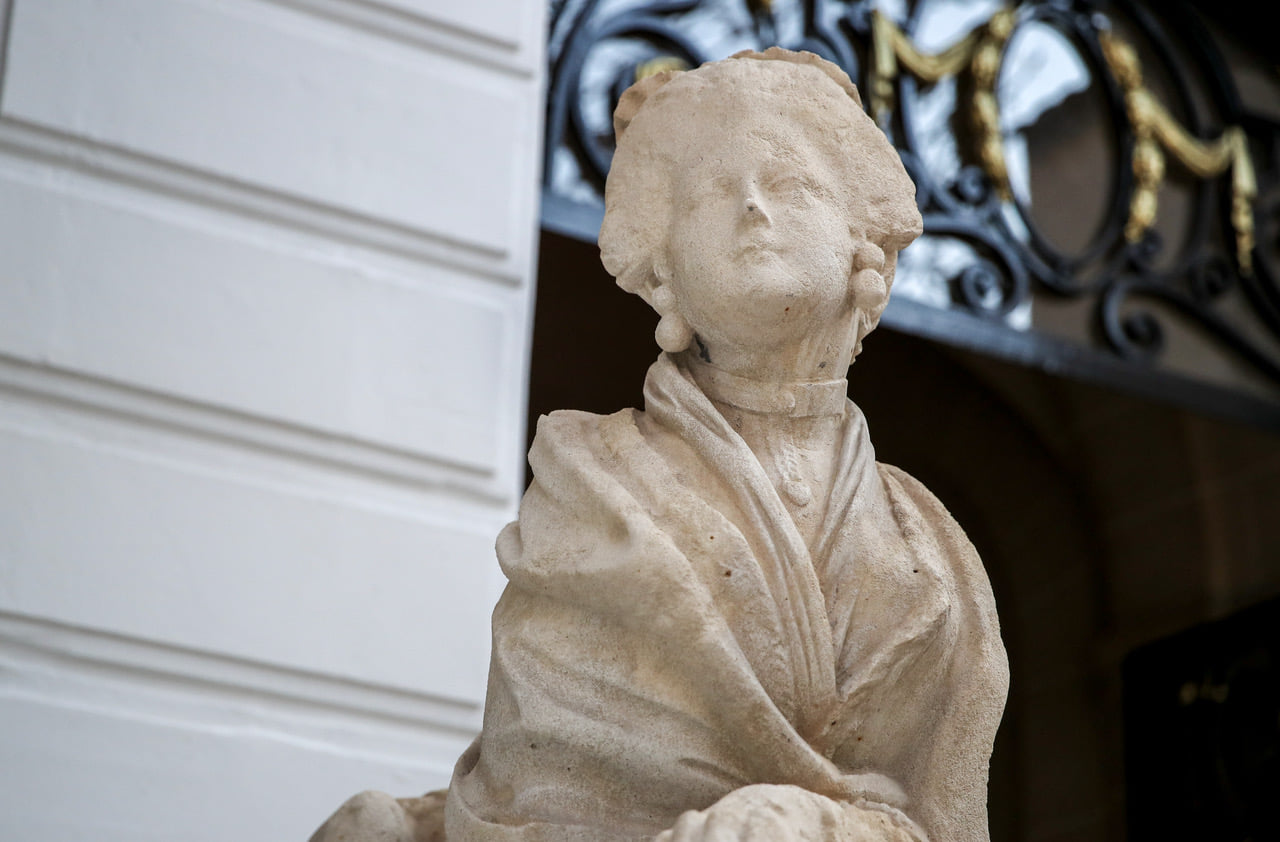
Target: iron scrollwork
pixel 950 85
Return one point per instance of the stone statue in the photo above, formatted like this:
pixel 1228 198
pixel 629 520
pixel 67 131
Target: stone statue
pixel 725 620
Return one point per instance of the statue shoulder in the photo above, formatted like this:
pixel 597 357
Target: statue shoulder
pixel 573 441
pixel 575 423
pixel 929 527
pixel 927 523
pixel 903 488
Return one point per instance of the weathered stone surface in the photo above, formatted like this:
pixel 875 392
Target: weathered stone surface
pixel 725 620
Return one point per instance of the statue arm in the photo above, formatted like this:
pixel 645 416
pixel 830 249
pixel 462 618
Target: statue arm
pixel 949 778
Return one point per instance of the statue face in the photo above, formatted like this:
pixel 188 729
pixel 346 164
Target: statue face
pixel 760 251
pixel 749 201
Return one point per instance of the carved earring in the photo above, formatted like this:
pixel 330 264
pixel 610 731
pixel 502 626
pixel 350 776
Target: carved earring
pixel 674 334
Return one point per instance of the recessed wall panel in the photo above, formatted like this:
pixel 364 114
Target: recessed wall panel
pixel 144 777
pixel 503 21
pixel 283 102
pixel 139 295
pixel 214 559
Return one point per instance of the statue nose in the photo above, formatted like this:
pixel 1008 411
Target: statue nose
pixel 755 205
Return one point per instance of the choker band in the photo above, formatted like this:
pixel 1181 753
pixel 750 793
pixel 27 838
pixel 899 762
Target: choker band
pixel 826 397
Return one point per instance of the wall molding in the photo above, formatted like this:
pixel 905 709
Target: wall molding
pixel 47 146
pixel 6 14
pixel 57 662
pixel 431 483
pixel 423 31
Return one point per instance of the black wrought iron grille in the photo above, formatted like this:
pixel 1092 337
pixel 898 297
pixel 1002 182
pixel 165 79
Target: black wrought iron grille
pixel 1098 198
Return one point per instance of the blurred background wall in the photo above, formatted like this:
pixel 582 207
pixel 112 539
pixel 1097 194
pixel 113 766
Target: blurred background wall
pixel 265 300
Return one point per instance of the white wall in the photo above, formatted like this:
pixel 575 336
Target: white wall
pixel 265 296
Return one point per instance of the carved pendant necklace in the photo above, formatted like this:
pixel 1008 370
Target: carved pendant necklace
pixel 794 488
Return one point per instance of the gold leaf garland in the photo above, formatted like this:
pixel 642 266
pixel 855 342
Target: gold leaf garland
pixel 1156 131
pixel 981 53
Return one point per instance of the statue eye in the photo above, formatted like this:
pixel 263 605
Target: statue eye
pixel 701 194
pixel 791 187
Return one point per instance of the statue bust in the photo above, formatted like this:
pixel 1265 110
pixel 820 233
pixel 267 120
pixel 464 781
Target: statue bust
pixel 725 620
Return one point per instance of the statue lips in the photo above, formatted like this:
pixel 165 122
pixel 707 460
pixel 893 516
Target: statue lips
pixel 761 242
pixel 765 269
pixel 771 261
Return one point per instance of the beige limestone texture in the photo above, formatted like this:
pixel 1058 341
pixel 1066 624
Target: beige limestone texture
pixel 724 619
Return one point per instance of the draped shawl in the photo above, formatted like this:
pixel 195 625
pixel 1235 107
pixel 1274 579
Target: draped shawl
pixel 667 637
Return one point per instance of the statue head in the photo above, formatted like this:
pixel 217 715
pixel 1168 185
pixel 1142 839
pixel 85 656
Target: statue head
pixel 753 201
